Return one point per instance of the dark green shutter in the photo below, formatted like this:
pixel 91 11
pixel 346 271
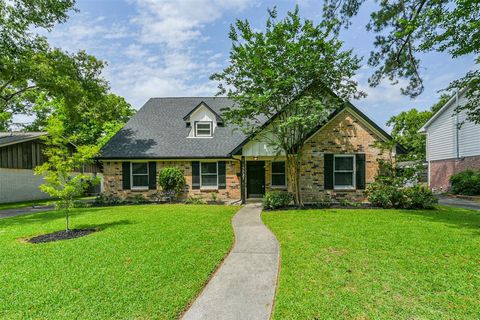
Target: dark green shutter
pixel 152 175
pixel 126 175
pixel 222 177
pixel 361 168
pixel 328 171
pixel 195 175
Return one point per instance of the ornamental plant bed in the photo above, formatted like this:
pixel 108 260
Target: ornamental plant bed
pixel 62 235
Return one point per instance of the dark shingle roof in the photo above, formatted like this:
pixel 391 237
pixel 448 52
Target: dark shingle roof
pixel 158 131
pixel 8 138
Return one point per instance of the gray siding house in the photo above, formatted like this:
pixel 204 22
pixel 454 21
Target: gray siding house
pixel 451 147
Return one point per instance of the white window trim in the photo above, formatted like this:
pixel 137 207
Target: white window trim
pixel 210 123
pixel 201 182
pixel 354 171
pixel 271 176
pixel 131 177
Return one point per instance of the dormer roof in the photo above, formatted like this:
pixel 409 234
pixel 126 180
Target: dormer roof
pixel 205 105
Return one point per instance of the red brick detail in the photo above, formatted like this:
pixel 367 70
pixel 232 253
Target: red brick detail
pixel 442 170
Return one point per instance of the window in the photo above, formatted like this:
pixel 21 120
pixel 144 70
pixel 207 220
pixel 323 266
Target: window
pixel 343 172
pixel 203 129
pixel 278 174
pixel 139 175
pixel 209 175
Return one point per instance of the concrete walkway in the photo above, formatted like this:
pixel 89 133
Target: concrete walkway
pixel 459 203
pixel 21 211
pixel 244 285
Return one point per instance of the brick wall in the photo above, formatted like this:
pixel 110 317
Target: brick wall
pixel 345 134
pixel 113 180
pixel 442 170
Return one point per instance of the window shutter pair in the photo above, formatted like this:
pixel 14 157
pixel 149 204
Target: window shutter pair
pixel 359 174
pixel 222 176
pixel 152 175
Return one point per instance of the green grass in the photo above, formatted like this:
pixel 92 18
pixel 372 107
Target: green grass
pixel 378 264
pixel 148 262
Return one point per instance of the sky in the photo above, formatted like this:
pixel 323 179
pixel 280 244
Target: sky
pixel 163 48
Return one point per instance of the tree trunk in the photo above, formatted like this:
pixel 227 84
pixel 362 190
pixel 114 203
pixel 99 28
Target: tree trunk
pixel 293 170
pixel 68 224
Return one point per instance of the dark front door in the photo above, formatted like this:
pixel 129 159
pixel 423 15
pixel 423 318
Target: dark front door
pixel 255 179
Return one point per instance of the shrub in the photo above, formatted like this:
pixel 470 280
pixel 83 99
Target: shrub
pixel 418 197
pixel 277 199
pixel 172 181
pixel 136 199
pixel 466 182
pixel 107 199
pixel 194 200
pixel 392 196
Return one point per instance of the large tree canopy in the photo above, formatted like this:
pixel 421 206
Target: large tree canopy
pixel 283 72
pixel 406 28
pixel 405 127
pixel 41 81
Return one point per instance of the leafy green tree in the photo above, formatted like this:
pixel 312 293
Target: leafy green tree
pixel 64 179
pixel 405 128
pixel 281 73
pixel 32 75
pixel 406 28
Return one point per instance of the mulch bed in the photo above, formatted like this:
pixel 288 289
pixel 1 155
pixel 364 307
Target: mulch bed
pixel 61 235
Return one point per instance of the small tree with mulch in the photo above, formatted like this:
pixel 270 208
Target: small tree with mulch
pixel 62 171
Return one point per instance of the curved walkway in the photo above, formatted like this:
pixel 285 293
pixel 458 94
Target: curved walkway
pixel 244 285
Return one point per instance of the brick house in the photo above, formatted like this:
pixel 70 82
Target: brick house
pixel 339 158
pixel 451 147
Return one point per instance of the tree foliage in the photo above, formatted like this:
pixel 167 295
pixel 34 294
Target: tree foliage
pixel 405 127
pixel 281 73
pixel 406 28
pixel 62 171
pixel 32 74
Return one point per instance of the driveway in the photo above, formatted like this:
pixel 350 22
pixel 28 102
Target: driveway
pixel 21 211
pixel 458 203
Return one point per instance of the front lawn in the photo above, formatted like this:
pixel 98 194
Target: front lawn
pixel 148 262
pixel 378 264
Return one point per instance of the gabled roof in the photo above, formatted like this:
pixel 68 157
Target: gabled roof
pixel 442 110
pixel 345 104
pixel 203 104
pixel 9 138
pixel 158 130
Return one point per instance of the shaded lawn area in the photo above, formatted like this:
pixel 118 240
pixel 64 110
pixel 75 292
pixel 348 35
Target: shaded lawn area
pixel 378 264
pixel 148 262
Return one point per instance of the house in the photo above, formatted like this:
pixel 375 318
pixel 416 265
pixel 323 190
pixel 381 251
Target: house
pixel 339 158
pixel 20 153
pixel 453 144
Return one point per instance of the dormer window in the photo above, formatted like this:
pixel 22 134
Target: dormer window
pixel 203 129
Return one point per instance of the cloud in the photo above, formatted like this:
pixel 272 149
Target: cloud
pixel 160 50
pixel 176 23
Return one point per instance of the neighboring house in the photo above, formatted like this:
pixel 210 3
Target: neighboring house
pixel 20 153
pixel 453 144
pixel 339 158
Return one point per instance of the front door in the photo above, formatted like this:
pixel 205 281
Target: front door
pixel 255 179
